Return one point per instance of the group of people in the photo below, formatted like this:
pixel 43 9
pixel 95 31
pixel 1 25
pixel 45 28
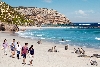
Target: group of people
pixel 53 49
pixel 79 51
pixel 15 47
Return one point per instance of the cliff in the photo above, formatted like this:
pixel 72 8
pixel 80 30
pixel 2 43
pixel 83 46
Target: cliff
pixel 43 15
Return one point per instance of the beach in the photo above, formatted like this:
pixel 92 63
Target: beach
pixel 49 33
pixel 43 58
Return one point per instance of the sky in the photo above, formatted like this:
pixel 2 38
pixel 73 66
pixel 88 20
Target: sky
pixel 75 10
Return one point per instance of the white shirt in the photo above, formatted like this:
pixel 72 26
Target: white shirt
pixel 18 48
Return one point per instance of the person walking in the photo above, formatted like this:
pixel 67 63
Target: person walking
pixel 14 42
pixel 31 56
pixel 5 46
pixel 18 48
pixel 24 52
pixel 12 46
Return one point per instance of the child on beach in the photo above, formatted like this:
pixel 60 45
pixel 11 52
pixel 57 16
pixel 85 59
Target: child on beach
pixel 76 51
pixel 12 50
pixel 55 50
pixel 18 48
pixel 5 45
pixel 50 50
pixel 31 51
pixel 83 51
pixel 80 50
pixel 24 52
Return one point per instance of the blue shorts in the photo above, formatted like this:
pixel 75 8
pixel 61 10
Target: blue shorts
pixel 24 55
pixel 18 52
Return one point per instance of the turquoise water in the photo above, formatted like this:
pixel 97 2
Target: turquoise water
pixel 89 38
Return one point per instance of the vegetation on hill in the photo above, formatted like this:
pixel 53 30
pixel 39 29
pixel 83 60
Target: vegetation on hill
pixel 10 16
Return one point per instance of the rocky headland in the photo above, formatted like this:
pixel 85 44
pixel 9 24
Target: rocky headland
pixel 43 15
pixel 10 16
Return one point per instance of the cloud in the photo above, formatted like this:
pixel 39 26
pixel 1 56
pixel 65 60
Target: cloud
pixel 84 13
pixel 48 1
pixel 81 12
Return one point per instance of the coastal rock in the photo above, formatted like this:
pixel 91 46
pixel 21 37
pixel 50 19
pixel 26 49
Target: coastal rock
pixel 2 27
pixel 8 27
pixel 13 28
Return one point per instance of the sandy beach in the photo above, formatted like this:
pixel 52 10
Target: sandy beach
pixel 43 58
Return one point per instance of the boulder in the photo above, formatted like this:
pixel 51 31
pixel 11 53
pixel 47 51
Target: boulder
pixel 11 27
pixel 2 27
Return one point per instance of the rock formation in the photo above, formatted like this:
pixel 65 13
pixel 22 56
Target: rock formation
pixel 2 27
pixel 8 27
pixel 12 16
pixel 43 15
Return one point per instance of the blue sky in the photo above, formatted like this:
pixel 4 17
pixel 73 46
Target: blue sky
pixel 75 10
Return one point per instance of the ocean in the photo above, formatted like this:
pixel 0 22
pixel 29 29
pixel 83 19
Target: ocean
pixel 89 38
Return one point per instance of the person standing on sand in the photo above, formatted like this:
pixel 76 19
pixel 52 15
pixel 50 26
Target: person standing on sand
pixel 12 50
pixel 31 51
pixel 14 42
pixel 18 48
pixel 5 45
pixel 24 52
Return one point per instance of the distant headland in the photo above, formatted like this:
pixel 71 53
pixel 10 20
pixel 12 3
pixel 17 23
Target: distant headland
pixel 30 15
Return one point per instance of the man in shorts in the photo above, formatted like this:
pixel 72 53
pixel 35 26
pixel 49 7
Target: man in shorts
pixel 24 52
